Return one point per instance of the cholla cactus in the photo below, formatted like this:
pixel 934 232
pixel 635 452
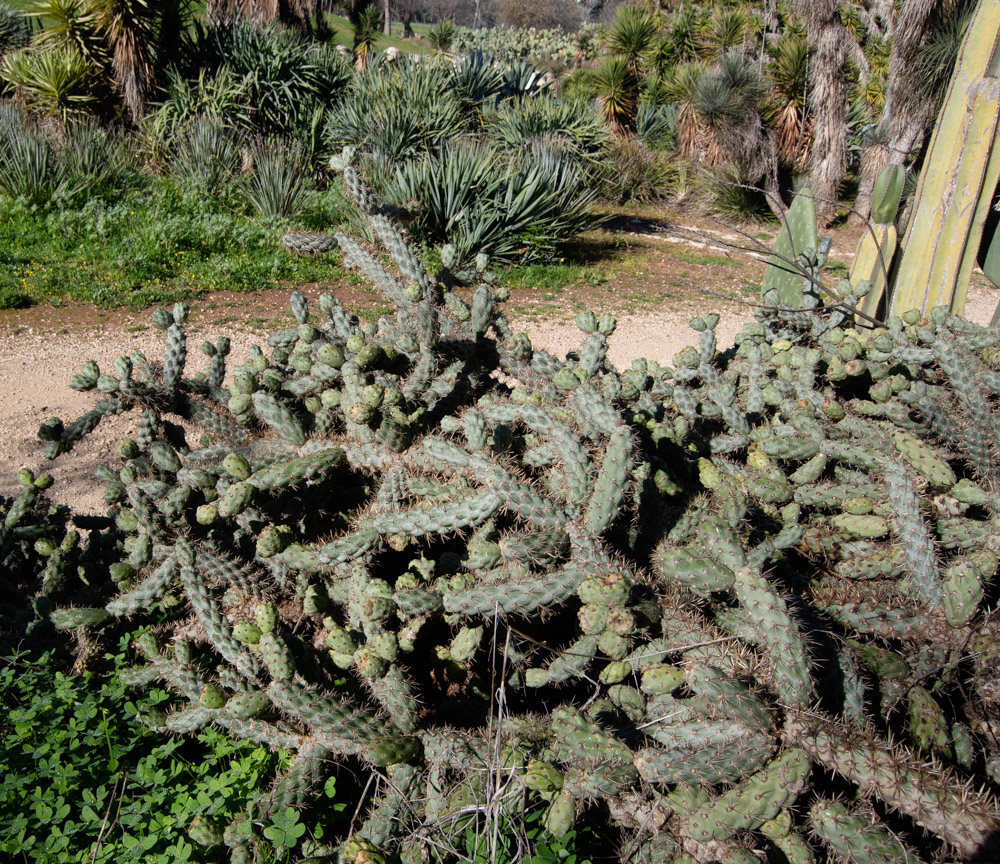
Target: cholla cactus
pixel 688 593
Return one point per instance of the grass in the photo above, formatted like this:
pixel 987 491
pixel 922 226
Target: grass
pixel 150 245
pixel 705 259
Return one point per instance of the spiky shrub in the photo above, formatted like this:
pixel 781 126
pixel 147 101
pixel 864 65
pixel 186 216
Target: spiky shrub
pixel 675 595
pixel 513 207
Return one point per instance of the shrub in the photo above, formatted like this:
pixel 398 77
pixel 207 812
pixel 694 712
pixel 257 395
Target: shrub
pixel 515 208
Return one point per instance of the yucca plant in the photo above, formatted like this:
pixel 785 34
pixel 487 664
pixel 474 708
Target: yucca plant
pixel 206 155
pixel 69 23
pixel 397 110
pixel 617 87
pixel 785 109
pixel 59 83
pixel 632 33
pixel 656 125
pixel 29 165
pixel 633 172
pixel 367 28
pixel 729 29
pixel 221 95
pixel 728 101
pixel 15 29
pixel 96 159
pixel 519 121
pixel 682 87
pixel 478 80
pixel 731 194
pixel 442 35
pixel 278 186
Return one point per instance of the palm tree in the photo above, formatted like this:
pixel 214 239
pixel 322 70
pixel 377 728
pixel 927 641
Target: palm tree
pixel 829 100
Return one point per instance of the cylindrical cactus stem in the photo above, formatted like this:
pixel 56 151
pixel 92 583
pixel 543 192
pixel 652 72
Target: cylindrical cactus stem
pixel 932 795
pixel 855 838
pixel 779 634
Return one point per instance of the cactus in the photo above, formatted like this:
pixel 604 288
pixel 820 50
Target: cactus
pixel 685 584
pixel 958 180
pixel 877 248
pixel 784 281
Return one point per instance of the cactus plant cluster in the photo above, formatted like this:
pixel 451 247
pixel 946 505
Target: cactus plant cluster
pixel 707 600
pixel 513 43
pixel 46 561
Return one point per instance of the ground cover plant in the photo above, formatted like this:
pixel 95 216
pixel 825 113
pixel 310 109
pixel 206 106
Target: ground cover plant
pixel 743 604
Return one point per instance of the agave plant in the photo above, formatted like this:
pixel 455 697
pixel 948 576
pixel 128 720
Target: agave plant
pixel 656 125
pixel 514 209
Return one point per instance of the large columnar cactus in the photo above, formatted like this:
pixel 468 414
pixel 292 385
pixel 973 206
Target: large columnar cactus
pixel 424 551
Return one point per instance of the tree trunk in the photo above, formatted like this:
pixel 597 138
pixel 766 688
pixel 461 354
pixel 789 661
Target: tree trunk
pixel 907 114
pixel 386 19
pixel 828 102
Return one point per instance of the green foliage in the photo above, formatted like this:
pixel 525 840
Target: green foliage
pixel 396 111
pixel 546 119
pixel 277 187
pixel 84 779
pixel 58 82
pixel 15 29
pixel 513 209
pixel 150 244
